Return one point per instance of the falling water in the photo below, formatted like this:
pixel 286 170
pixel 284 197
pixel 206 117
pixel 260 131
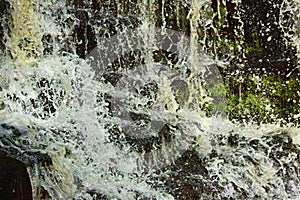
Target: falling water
pixel 104 104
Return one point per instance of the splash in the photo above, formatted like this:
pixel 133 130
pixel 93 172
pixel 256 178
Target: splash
pixel 113 125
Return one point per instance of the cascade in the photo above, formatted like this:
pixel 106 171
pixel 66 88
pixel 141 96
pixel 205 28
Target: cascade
pixel 132 99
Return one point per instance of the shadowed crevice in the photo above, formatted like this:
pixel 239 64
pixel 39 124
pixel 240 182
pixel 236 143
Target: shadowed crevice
pixel 14 180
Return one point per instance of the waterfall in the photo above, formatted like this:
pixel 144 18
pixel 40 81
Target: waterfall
pixel 129 100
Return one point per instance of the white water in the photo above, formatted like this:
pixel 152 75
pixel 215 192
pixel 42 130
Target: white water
pixel 76 134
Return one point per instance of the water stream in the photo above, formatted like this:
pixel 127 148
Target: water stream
pixel 109 103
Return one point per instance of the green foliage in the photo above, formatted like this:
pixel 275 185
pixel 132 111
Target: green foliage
pixel 255 45
pixel 252 107
pixel 218 90
pixel 266 99
pixel 218 93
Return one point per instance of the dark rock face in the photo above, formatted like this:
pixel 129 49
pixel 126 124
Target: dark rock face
pixel 14 180
pixel 4 14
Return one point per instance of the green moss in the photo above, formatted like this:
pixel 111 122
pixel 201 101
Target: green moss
pixel 259 98
pixel 218 90
pixel 218 93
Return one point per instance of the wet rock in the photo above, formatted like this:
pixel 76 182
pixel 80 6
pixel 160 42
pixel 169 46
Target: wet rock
pixel 186 178
pixel 14 144
pixel 181 91
pixel 4 13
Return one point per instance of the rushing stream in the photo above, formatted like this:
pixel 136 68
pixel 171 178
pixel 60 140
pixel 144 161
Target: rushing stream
pixel 126 100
